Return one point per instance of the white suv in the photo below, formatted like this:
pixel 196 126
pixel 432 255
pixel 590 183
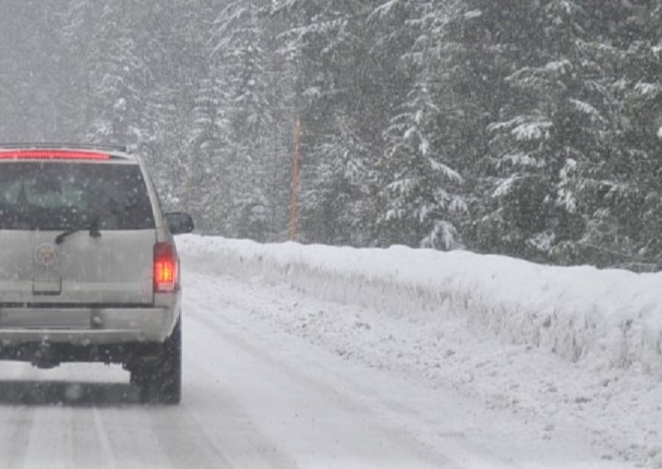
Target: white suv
pixel 89 271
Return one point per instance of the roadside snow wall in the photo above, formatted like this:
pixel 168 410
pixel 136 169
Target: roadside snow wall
pixel 606 318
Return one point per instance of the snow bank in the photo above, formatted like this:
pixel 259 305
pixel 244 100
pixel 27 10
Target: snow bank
pixel 605 318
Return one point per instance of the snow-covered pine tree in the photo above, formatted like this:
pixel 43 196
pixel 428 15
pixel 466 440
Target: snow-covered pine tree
pixel 640 134
pixel 201 159
pixel 621 190
pixel 338 199
pixel 282 96
pixel 186 105
pixel 420 203
pixel 120 78
pixel 339 98
pixel 554 118
pixel 76 35
pixel 240 54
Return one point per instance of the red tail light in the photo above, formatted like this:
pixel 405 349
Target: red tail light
pixel 165 268
pixel 52 155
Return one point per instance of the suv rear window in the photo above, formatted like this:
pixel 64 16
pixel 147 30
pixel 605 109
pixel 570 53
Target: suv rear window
pixel 65 196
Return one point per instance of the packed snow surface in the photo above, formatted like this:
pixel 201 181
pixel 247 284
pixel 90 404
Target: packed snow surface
pixel 571 345
pixel 605 318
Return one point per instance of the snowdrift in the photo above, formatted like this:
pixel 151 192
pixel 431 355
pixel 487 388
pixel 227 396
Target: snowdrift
pixel 605 318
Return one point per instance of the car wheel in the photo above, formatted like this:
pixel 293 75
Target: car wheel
pixel 160 380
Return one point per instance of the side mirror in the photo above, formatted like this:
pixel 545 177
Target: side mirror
pixel 179 222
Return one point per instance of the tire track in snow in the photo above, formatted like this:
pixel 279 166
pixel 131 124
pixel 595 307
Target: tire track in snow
pixel 223 328
pixel 184 442
pixel 211 424
pixel 21 419
pixel 214 437
pixel 104 441
pixel 240 441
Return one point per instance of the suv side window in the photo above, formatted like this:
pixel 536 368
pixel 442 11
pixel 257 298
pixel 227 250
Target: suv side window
pixel 63 196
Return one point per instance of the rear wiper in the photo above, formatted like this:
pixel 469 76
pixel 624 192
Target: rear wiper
pixel 92 227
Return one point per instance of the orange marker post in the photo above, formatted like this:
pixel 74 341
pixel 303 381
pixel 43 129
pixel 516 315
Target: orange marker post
pixel 295 181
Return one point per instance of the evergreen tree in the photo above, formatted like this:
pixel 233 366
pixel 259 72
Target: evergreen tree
pixel 204 150
pixel 620 187
pixel 120 78
pixel 551 120
pixel 420 199
pixel 241 52
pixel 338 94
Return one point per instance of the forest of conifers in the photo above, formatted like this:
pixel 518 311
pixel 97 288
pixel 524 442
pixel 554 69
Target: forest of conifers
pixel 530 128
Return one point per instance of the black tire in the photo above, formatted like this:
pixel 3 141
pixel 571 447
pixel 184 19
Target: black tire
pixel 160 380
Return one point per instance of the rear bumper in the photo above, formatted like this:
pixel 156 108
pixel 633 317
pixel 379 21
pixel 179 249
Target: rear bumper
pixel 85 326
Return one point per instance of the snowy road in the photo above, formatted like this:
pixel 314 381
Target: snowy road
pixel 258 396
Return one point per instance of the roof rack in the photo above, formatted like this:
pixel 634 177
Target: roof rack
pixel 73 146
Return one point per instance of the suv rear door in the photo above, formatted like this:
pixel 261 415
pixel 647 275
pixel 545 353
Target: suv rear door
pixel 75 233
